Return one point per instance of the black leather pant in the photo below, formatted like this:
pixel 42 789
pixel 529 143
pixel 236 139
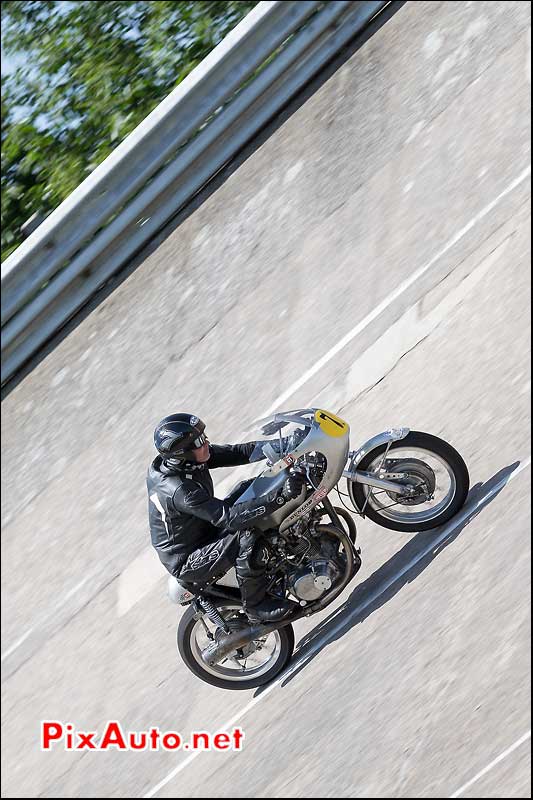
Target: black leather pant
pixel 244 550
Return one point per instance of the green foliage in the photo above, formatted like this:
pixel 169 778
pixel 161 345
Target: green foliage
pixel 87 73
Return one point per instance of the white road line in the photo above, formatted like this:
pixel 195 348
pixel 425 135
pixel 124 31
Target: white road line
pixel 492 764
pixel 415 325
pixel 458 520
pixel 72 592
pixel 317 366
pixel 17 644
pixel 55 607
pixel 361 325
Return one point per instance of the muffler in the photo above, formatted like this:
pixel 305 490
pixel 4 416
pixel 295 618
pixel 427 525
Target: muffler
pixel 215 652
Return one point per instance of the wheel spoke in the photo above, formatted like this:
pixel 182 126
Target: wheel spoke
pixel 426 469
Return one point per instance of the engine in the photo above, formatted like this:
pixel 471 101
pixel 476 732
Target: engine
pixel 314 580
pixel 314 567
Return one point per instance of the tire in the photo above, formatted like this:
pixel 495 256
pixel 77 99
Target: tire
pixel 187 649
pixel 445 453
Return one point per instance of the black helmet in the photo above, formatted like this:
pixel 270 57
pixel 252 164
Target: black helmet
pixel 175 436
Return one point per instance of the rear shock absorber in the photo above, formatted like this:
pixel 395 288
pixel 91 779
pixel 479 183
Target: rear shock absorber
pixel 213 613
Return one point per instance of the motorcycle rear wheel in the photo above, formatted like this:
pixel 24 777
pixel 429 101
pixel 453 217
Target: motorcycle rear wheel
pixel 192 638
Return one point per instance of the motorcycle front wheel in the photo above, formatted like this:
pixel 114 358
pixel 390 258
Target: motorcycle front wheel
pixel 433 469
pixel 246 668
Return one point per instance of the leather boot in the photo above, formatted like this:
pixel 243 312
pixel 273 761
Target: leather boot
pixel 256 606
pixel 250 571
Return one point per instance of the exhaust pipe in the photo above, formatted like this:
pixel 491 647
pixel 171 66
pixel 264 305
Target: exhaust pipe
pixel 216 651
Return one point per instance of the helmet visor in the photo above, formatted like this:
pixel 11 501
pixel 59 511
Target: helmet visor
pixel 200 441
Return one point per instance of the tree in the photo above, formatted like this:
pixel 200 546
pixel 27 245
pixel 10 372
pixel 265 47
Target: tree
pixel 88 72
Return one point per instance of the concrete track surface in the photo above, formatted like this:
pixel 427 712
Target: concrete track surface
pixel 371 257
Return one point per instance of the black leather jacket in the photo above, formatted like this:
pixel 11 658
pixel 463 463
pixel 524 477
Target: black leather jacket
pixel 183 512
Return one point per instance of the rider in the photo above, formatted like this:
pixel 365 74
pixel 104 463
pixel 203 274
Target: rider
pixel 198 537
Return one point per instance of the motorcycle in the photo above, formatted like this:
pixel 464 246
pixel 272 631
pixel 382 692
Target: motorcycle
pixel 403 480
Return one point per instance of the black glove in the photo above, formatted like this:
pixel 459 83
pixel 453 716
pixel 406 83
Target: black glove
pixel 293 484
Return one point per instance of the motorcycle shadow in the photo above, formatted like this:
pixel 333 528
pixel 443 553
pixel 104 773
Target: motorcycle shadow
pixel 346 616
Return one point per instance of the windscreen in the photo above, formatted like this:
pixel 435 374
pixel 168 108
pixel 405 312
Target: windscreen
pixel 280 434
pixel 277 436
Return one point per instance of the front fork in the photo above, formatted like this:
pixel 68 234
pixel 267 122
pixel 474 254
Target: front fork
pixel 379 481
pixel 380 478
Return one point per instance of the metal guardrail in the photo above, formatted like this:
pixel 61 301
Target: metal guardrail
pixel 277 48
